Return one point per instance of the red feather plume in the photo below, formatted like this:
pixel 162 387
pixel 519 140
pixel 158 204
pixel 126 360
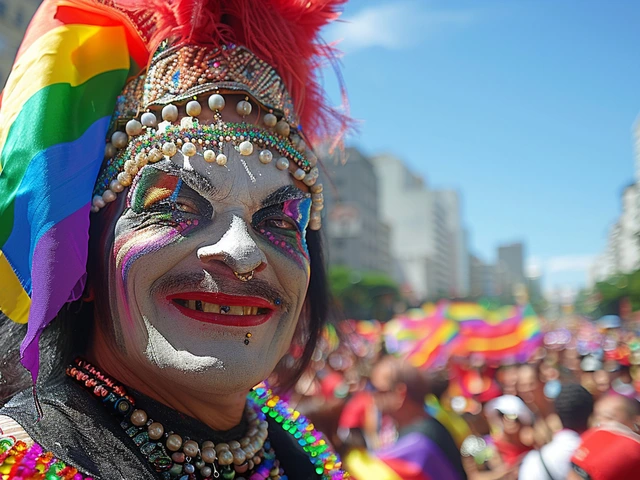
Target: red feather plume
pixel 284 33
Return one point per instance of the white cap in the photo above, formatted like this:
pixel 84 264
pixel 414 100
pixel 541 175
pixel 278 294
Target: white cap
pixel 512 406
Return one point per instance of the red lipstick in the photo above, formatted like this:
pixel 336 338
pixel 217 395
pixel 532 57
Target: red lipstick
pixel 263 309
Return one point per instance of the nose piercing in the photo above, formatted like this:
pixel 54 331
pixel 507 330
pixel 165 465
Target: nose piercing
pixel 244 277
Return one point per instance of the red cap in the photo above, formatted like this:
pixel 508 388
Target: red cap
pixel 609 453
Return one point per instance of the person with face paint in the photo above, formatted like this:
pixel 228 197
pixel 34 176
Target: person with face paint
pixel 159 217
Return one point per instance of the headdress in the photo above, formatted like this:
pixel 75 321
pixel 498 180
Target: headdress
pixel 95 94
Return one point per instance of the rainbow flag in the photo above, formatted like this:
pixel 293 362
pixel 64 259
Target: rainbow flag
pixel 54 115
pixel 423 336
pixel 507 332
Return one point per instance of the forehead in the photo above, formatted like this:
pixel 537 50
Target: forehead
pixel 242 180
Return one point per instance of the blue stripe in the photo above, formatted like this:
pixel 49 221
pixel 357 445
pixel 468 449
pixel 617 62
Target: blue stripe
pixel 57 182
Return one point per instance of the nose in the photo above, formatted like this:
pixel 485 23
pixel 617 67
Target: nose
pixel 236 249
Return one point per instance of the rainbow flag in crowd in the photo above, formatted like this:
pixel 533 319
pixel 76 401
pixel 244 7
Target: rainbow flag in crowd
pixel 54 116
pixel 428 337
pixel 512 332
pixel 423 336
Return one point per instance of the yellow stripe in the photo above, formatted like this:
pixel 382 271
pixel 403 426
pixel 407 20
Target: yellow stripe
pixel 67 54
pixel 363 465
pixel 14 301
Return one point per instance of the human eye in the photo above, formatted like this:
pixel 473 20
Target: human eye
pixel 278 223
pixel 185 205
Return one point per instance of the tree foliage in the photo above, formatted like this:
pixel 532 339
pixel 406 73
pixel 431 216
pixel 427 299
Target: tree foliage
pixel 363 294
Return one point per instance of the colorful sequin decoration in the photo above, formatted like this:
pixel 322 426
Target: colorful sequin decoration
pixel 203 136
pixel 326 462
pixel 21 462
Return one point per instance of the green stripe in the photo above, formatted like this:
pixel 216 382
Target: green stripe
pixel 56 114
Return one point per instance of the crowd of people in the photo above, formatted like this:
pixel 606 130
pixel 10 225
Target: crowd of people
pixel 571 410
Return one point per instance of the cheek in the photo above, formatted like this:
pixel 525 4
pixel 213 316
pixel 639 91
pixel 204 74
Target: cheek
pixel 133 245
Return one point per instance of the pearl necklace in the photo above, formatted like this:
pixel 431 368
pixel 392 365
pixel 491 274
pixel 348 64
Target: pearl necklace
pixel 173 456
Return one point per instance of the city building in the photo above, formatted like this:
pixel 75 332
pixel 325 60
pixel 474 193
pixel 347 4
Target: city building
pixel 482 278
pixel 354 233
pixel 622 252
pixel 14 18
pixel 511 268
pixel 428 241
pixel 629 230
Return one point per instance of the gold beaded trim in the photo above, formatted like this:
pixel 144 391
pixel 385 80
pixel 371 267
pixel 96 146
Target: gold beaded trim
pixel 186 71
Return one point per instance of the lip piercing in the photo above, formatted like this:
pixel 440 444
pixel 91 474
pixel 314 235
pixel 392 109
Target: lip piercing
pixel 277 301
pixel 244 277
pixel 247 337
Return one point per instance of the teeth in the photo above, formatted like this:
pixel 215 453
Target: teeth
pixel 210 307
pixel 222 309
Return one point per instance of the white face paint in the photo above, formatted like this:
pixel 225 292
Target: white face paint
pixel 179 310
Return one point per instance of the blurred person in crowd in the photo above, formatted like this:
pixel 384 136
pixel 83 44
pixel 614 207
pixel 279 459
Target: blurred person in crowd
pixel 574 406
pixel 439 407
pixel 589 365
pixel 509 417
pixel 531 390
pixel 618 408
pixel 360 419
pixel 507 376
pixel 497 456
pixel 424 448
pixel 607 453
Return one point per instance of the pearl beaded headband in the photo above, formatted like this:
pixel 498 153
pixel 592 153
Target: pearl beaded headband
pixel 229 70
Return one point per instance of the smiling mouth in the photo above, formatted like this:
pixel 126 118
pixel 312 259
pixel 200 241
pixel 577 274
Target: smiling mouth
pixel 223 309
pixel 200 306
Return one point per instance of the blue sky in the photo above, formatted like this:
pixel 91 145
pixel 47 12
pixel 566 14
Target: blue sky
pixel 525 107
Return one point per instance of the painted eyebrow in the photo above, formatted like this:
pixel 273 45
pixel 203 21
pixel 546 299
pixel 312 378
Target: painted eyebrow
pixel 282 194
pixel 192 178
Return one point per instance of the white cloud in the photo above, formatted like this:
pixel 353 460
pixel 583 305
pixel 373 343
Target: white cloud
pixel 394 26
pixel 569 263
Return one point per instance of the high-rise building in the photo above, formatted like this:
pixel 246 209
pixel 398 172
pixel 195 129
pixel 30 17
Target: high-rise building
pixel 14 18
pixel 355 235
pixel 428 243
pixel 622 252
pixel 629 230
pixel 511 267
pixel 482 278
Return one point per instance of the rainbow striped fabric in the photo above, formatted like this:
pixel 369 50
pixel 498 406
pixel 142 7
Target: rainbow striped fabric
pixel 509 332
pixel 54 116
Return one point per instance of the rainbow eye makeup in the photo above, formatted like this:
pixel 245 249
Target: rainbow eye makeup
pixel 284 221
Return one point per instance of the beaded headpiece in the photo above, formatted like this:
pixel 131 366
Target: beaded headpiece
pixel 186 77
pixel 65 153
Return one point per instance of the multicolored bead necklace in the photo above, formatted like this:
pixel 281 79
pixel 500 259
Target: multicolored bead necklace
pixel 173 456
pixel 19 461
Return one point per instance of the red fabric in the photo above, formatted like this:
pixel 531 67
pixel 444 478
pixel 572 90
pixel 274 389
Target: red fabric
pixel 509 452
pixel 329 383
pixel 283 33
pixel 609 454
pixel 355 411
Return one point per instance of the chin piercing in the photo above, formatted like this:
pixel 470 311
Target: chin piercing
pixel 247 337
pixel 244 277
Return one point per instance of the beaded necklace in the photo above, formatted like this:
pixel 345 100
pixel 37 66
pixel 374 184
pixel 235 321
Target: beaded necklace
pixel 252 456
pixel 21 461
pixel 175 457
